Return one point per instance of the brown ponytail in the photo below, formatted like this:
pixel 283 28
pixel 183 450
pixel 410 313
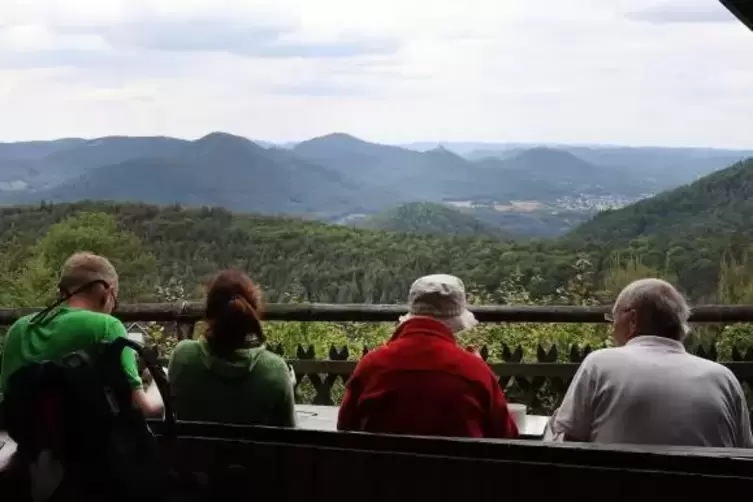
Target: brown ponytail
pixel 233 312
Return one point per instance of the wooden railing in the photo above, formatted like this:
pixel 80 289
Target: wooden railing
pixel 191 312
pixel 540 383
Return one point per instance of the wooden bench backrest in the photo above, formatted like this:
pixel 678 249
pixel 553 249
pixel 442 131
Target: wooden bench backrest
pixel 335 466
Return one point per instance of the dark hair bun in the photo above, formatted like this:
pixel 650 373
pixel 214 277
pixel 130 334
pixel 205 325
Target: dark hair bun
pixel 232 310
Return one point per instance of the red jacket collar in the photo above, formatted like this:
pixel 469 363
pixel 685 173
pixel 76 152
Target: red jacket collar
pixel 423 326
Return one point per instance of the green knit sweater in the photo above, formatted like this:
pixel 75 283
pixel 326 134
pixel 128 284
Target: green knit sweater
pixel 252 386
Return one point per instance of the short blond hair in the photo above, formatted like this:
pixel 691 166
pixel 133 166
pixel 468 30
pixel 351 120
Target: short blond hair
pixel 85 267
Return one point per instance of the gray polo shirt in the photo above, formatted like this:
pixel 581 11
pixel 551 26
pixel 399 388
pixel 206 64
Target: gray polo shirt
pixel 651 391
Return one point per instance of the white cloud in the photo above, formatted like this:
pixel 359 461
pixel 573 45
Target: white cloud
pixel 628 71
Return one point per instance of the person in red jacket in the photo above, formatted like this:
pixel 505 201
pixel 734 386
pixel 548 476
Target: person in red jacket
pixel 421 382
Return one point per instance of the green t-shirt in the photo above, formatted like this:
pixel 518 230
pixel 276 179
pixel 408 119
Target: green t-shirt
pixel 250 387
pixel 61 332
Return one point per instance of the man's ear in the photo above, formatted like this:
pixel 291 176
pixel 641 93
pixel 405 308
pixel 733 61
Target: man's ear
pixel 630 314
pixel 105 290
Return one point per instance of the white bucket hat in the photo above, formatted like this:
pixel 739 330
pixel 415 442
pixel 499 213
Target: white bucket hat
pixel 442 297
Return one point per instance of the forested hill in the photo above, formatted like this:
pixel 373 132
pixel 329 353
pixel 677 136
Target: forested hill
pixel 158 247
pixel 308 260
pixel 429 218
pixel 719 205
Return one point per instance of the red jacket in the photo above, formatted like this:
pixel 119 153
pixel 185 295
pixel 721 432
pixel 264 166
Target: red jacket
pixel 422 383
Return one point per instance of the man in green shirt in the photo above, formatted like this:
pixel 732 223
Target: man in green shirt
pixel 89 286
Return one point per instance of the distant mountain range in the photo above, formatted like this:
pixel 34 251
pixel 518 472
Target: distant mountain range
pixel 532 191
pixel 666 167
pixel 216 170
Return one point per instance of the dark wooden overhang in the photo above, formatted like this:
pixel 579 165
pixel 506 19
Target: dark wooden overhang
pixel 742 9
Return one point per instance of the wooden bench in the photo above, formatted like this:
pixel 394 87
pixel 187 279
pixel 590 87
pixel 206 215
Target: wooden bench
pixel 221 462
pixel 327 466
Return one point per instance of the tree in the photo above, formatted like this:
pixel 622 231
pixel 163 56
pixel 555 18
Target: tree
pixel 735 284
pixel 623 270
pixel 35 281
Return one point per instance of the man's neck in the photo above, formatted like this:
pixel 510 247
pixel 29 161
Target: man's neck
pixel 81 303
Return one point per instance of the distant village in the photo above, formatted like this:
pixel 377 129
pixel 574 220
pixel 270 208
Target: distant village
pixel 591 203
pixel 582 203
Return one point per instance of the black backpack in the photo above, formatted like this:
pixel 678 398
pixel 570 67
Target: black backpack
pixel 80 407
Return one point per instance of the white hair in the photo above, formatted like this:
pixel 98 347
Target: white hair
pixel 660 308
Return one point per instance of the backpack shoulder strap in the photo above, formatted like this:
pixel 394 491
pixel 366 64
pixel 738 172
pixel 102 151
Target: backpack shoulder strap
pixel 110 355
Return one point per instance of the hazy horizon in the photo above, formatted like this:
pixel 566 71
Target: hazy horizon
pixel 418 144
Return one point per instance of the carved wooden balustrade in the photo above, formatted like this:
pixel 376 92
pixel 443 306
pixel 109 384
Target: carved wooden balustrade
pixel 540 384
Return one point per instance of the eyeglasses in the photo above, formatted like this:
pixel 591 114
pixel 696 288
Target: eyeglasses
pixel 609 316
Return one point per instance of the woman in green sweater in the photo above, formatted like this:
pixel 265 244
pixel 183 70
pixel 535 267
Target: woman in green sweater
pixel 228 376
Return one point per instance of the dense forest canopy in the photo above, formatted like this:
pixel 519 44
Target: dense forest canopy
pixel 309 260
pixel 312 261
pixel 167 253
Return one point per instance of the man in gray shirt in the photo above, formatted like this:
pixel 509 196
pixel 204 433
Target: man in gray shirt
pixel 649 390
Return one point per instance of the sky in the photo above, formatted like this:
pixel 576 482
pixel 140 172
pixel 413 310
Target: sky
pixel 634 72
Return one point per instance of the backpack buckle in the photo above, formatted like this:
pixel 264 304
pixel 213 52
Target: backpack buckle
pixel 112 403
